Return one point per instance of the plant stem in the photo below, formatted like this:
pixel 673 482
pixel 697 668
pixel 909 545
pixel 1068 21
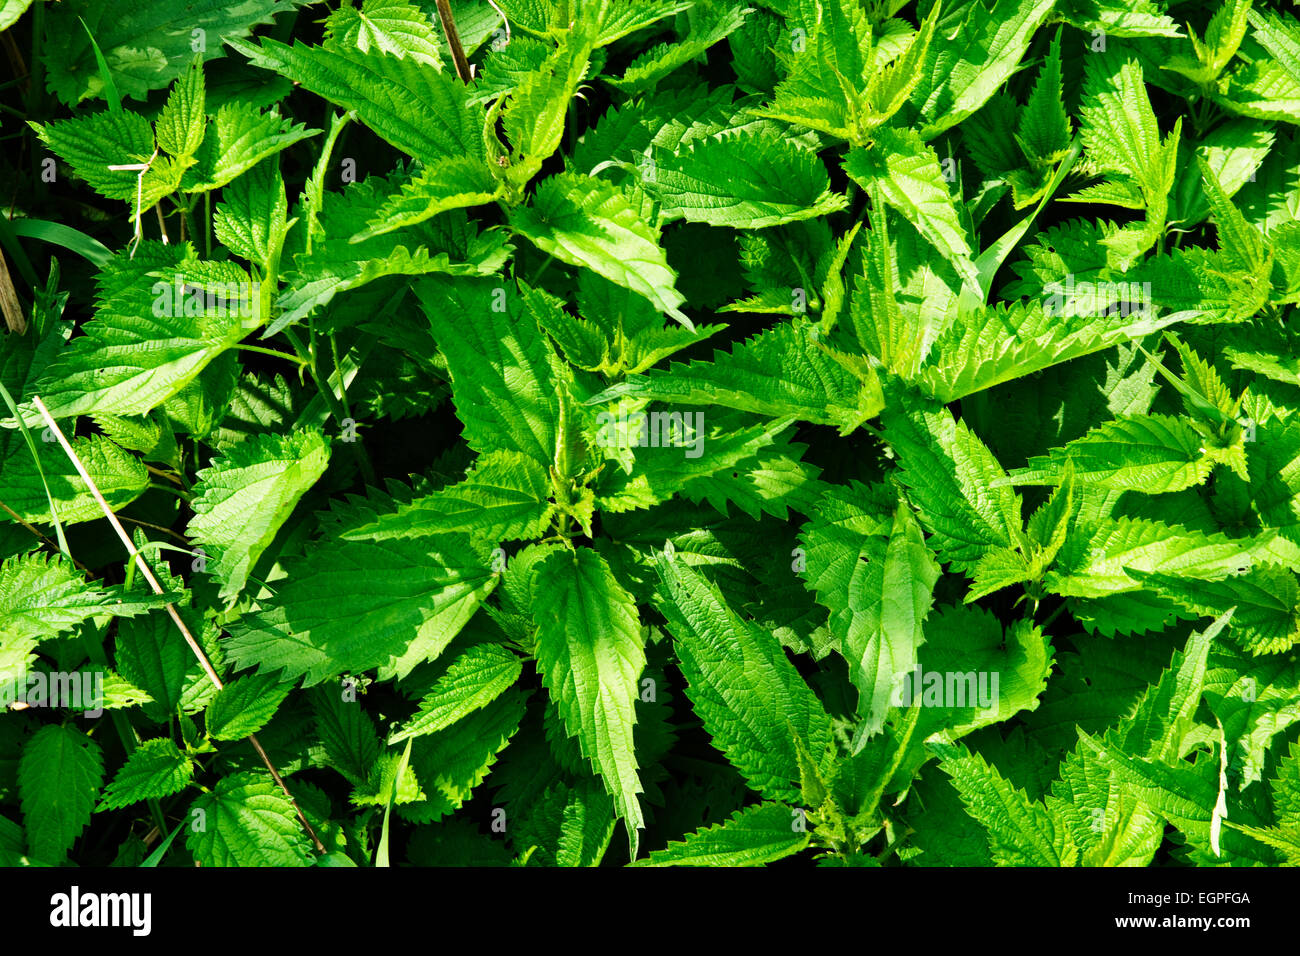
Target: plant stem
pixel 453 41
pixel 170 490
pixel 36 531
pixel 314 189
pixel 272 352
pixel 331 401
pixel 36 91
pixel 175 479
pixel 157 527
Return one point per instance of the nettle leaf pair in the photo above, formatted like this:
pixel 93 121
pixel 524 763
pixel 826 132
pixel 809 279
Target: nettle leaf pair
pixel 975 507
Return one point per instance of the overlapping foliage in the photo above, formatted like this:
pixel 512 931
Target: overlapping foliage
pixel 712 433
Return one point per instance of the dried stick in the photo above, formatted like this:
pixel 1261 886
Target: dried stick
pixel 171 608
pixel 453 41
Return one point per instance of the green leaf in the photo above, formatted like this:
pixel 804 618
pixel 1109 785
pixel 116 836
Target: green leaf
pixel 1120 134
pixel 92 143
pixel 244 706
pixel 1264 600
pixel 153 656
pixel 241 501
pixel 43 595
pixel 951 477
pixel 59 777
pixel 989 346
pixel 449 245
pixel 746 180
pixel 451 763
pixel 152 334
pixel 146 43
pixel 252 217
pixel 503 384
pixel 118 474
pixel 1280 36
pixel 1163 717
pixel 591 654
pixel 711 22
pixel 457 182
pixel 1021 832
pixel 753 702
pixel 537 109
pixel 246 821
pixel 240 137
pixel 505 497
pixel 1151 454
pixel 12 11
pixel 877 578
pixel 988 44
pixel 350 606
pixel 180 126
pixel 157 768
pixel 906 172
pixel 589 223
pixel 657 473
pixel 473 680
pixel 576 821
pixel 395 27
pixel 1044 131
pixel 421 111
pixel 1095 561
pixel 346 732
pixel 755 836
pixel 784 371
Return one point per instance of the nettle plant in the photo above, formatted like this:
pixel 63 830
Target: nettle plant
pixel 564 433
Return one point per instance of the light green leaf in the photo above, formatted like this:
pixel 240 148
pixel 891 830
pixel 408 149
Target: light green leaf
pixel 879 588
pixel 1021 832
pixel 396 27
pixel 241 501
pixel 244 706
pixel 473 680
pixel 146 43
pixel 421 111
pixel 252 217
pixel 746 180
pixel 951 478
pixel 350 606
pixel 505 497
pixel 157 768
pixel 591 653
pixel 960 75
pixel 755 836
pixel 752 701
pixel 906 171
pixel 180 126
pixel 246 821
pixel 240 137
pixel 784 371
pixel 587 222
pixel 1150 454
pixel 59 777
